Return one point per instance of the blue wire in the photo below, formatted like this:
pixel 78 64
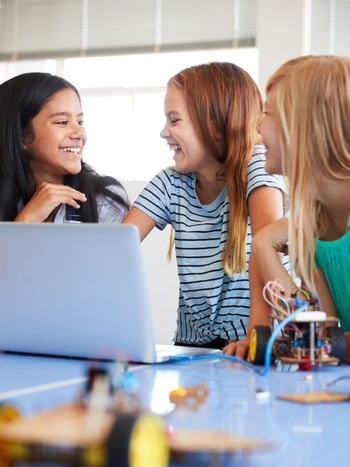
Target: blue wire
pixel 185 358
pixel 268 351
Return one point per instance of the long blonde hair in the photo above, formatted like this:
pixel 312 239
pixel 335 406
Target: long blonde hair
pixel 222 97
pixel 312 114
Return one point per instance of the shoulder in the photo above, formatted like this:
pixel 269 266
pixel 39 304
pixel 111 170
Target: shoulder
pixel 109 211
pixel 118 189
pixel 174 176
pixel 257 159
pixel 256 174
pixel 170 180
pixel 112 209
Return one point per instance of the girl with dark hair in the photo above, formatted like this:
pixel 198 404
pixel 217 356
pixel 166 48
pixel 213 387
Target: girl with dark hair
pixel 215 197
pixel 42 138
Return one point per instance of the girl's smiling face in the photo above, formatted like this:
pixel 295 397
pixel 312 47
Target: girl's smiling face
pixel 190 154
pixel 57 138
pixel 269 132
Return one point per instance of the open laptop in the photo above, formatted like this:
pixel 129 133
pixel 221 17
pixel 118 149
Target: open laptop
pixel 77 290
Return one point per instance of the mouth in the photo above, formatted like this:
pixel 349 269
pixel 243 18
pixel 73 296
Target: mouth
pixel 72 150
pixel 174 147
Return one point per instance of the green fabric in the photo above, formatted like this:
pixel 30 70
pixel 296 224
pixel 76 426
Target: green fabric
pixel 334 260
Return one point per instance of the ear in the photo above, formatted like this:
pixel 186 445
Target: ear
pixel 218 135
pixel 24 144
pixel 216 131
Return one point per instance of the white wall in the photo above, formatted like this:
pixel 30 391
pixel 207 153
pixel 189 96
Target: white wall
pixel 282 33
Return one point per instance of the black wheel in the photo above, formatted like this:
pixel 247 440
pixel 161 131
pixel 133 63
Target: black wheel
pixel 137 440
pixel 258 342
pixel 338 343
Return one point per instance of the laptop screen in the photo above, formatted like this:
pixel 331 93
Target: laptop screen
pixel 75 290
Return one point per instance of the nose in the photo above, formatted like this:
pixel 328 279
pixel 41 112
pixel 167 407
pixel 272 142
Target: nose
pixel 261 119
pixel 78 132
pixel 165 133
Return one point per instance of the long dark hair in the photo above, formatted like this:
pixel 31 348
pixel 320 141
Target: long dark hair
pixel 21 99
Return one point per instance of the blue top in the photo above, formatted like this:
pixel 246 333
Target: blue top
pixel 211 304
pixel 334 260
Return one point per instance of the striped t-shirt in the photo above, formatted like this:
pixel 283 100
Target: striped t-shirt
pixel 211 304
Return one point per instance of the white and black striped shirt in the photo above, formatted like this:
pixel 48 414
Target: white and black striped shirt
pixel 211 304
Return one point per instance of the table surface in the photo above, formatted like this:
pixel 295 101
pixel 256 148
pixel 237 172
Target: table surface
pixel 241 401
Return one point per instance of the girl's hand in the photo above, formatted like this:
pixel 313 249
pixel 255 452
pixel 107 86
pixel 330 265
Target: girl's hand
pixel 46 199
pixel 238 349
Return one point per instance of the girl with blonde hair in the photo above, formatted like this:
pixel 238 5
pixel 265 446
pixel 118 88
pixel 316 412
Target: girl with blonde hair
pixel 306 132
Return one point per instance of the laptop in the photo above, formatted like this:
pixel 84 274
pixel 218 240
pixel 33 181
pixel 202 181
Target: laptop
pixel 77 290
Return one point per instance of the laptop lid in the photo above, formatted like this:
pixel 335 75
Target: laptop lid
pixel 74 290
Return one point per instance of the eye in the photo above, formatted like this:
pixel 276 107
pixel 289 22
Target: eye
pixel 173 121
pixel 62 122
pixel 81 122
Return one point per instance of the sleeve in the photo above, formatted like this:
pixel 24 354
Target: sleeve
pixel 109 211
pixel 154 199
pixel 256 175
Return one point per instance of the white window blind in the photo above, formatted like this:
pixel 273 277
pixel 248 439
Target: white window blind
pixel 330 27
pixel 57 28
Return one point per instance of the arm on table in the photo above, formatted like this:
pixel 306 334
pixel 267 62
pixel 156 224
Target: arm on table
pixel 266 249
pixel 265 206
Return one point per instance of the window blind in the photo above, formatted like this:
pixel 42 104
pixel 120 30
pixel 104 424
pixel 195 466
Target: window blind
pixel 54 28
pixel 330 32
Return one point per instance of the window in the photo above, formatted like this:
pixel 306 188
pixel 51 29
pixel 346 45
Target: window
pixel 123 106
pixel 122 98
pixel 70 28
pixel 122 95
pixel 330 21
